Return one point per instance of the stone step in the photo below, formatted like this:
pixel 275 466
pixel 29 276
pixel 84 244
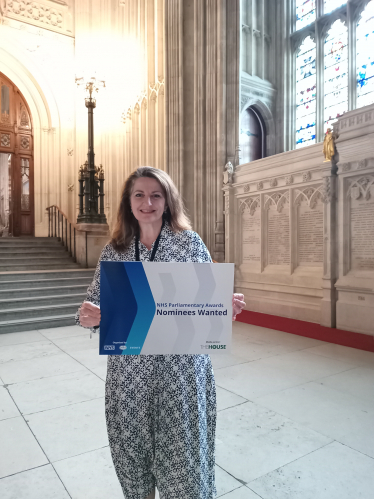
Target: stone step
pixel 40 301
pixel 27 238
pixel 45 284
pixel 40 285
pixel 18 292
pixel 34 257
pixel 18 325
pixel 32 242
pixel 35 247
pixel 17 250
pixel 46 275
pixel 40 266
pixel 13 314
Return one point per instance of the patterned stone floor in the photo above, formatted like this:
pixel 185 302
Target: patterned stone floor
pixel 295 420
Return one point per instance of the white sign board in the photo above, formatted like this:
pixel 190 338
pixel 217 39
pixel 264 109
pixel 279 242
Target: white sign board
pixel 153 308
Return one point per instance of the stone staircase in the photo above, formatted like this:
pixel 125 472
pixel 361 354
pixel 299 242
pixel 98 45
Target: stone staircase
pixel 40 285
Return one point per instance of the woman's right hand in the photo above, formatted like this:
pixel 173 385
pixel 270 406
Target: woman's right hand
pixel 89 315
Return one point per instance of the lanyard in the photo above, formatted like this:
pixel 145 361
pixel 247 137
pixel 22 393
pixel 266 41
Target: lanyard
pixel 155 247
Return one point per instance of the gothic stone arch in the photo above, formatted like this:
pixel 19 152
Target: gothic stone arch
pixel 268 119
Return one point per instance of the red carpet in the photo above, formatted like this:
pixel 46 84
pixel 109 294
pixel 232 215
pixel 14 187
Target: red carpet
pixel 309 329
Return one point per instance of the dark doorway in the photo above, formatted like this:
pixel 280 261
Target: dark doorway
pixel 16 162
pixel 252 136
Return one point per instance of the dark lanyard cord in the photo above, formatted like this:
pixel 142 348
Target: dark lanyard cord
pixel 155 247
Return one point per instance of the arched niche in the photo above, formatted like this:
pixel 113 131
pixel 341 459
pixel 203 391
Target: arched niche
pixel 252 139
pixel 265 118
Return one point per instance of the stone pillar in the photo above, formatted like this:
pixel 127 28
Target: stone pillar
pixel 284 80
pixel 219 242
pixel 229 214
pixel 96 236
pixel 174 86
pixel 330 252
pixel 232 78
pixel 231 91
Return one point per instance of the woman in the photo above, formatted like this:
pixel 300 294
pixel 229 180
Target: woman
pixel 160 409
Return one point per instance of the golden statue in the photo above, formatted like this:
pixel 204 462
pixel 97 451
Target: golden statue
pixel 328 145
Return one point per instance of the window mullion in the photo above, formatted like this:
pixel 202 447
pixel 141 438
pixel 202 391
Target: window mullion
pixel 320 82
pixel 352 87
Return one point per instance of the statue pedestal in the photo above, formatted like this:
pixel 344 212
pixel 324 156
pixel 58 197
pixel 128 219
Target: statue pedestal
pixel 90 240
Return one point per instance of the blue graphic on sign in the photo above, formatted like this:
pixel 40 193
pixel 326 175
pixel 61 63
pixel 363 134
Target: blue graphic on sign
pixel 127 308
pixel 118 306
pixel 146 306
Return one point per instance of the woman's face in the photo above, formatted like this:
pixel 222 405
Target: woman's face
pixel 147 200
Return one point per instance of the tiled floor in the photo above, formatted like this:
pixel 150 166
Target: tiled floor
pixel 295 420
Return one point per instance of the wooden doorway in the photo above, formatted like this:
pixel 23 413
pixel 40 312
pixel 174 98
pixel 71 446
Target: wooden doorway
pixel 16 162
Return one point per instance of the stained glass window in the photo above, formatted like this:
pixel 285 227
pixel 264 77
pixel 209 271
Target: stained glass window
pixel 336 73
pixel 331 5
pixel 365 57
pixel 306 94
pixel 305 12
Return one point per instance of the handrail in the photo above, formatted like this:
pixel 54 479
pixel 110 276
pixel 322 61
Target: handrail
pixel 56 219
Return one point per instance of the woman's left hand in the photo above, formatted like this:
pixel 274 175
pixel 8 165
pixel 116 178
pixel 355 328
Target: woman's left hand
pixel 238 304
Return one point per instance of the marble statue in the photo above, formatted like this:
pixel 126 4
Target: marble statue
pixel 228 173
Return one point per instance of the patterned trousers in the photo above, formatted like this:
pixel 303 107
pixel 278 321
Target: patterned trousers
pixel 161 419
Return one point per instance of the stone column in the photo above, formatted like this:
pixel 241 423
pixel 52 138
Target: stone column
pixel 232 105
pixel 284 71
pixel 219 246
pixel 200 124
pixel 174 89
pixel 232 78
pixel 230 234
pixel 330 251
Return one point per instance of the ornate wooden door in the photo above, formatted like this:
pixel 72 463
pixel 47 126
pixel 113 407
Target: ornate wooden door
pixel 16 140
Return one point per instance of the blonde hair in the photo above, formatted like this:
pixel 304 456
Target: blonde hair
pixel 127 225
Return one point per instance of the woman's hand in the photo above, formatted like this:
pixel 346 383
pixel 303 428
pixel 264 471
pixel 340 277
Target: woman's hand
pixel 238 304
pixel 89 315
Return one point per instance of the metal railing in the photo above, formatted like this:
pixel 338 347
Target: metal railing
pixel 58 224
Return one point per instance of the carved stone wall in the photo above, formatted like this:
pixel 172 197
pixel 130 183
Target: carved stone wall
pixel 355 284
pixel 54 15
pixel 278 234
pixel 303 230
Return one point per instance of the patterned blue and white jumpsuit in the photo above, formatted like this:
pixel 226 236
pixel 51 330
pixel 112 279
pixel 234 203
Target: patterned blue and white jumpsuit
pixel 161 409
